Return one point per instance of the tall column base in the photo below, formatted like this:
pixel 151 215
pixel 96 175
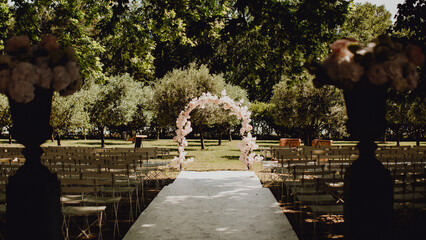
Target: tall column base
pixel 33 204
pixel 368 196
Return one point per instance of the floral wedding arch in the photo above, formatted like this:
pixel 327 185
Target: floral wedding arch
pixel 183 124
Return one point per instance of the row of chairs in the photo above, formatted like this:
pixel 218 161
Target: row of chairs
pixel 94 194
pixel 94 182
pixel 311 179
pixel 154 152
pixel 76 155
pixel 304 189
pixel 407 177
pixel 383 153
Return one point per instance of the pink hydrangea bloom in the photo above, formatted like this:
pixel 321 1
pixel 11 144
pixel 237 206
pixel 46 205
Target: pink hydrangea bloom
pixel 414 54
pixel 381 61
pixel 25 71
pixel 49 43
pixel 18 43
pixel 21 91
pixel 377 74
pixel 61 78
pixel 340 48
pixel 4 80
pixel 46 76
pixel 411 75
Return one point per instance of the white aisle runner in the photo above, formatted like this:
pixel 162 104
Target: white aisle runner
pixel 213 205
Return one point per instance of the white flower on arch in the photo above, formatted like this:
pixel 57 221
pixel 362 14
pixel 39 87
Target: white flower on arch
pixel 183 124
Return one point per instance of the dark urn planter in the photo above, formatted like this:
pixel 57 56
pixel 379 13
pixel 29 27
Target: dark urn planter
pixel 368 189
pixel 33 194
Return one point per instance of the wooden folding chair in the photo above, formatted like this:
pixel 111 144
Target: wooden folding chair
pixel 74 191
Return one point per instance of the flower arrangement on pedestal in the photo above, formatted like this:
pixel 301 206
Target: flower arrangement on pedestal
pixel 381 62
pixel 44 65
pixel 183 124
pixel 28 76
pixel 365 73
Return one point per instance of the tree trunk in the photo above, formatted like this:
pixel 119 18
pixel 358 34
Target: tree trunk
pixel 157 132
pixel 230 134
pixel 101 129
pixel 308 139
pixel 83 131
pixel 202 139
pixel 59 139
pixel 417 138
pixel 10 137
pixel 53 137
pixel 220 139
pixel 397 137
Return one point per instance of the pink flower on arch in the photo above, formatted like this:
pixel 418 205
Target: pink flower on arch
pixel 184 127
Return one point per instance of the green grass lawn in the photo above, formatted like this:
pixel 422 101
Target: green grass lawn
pixel 212 158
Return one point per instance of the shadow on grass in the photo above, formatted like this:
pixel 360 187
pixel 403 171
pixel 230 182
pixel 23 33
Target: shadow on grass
pixel 106 143
pixel 161 142
pixel 232 157
pixel 345 142
pixel 236 149
pixel 191 149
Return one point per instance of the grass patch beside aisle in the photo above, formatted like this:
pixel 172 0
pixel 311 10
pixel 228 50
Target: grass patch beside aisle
pixel 212 158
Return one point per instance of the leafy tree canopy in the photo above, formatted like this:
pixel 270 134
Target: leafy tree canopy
pixel 303 110
pixel 366 21
pixel 5 117
pixel 114 103
pixel 176 89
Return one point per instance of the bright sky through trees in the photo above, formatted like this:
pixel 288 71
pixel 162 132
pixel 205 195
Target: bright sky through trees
pixel 390 5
